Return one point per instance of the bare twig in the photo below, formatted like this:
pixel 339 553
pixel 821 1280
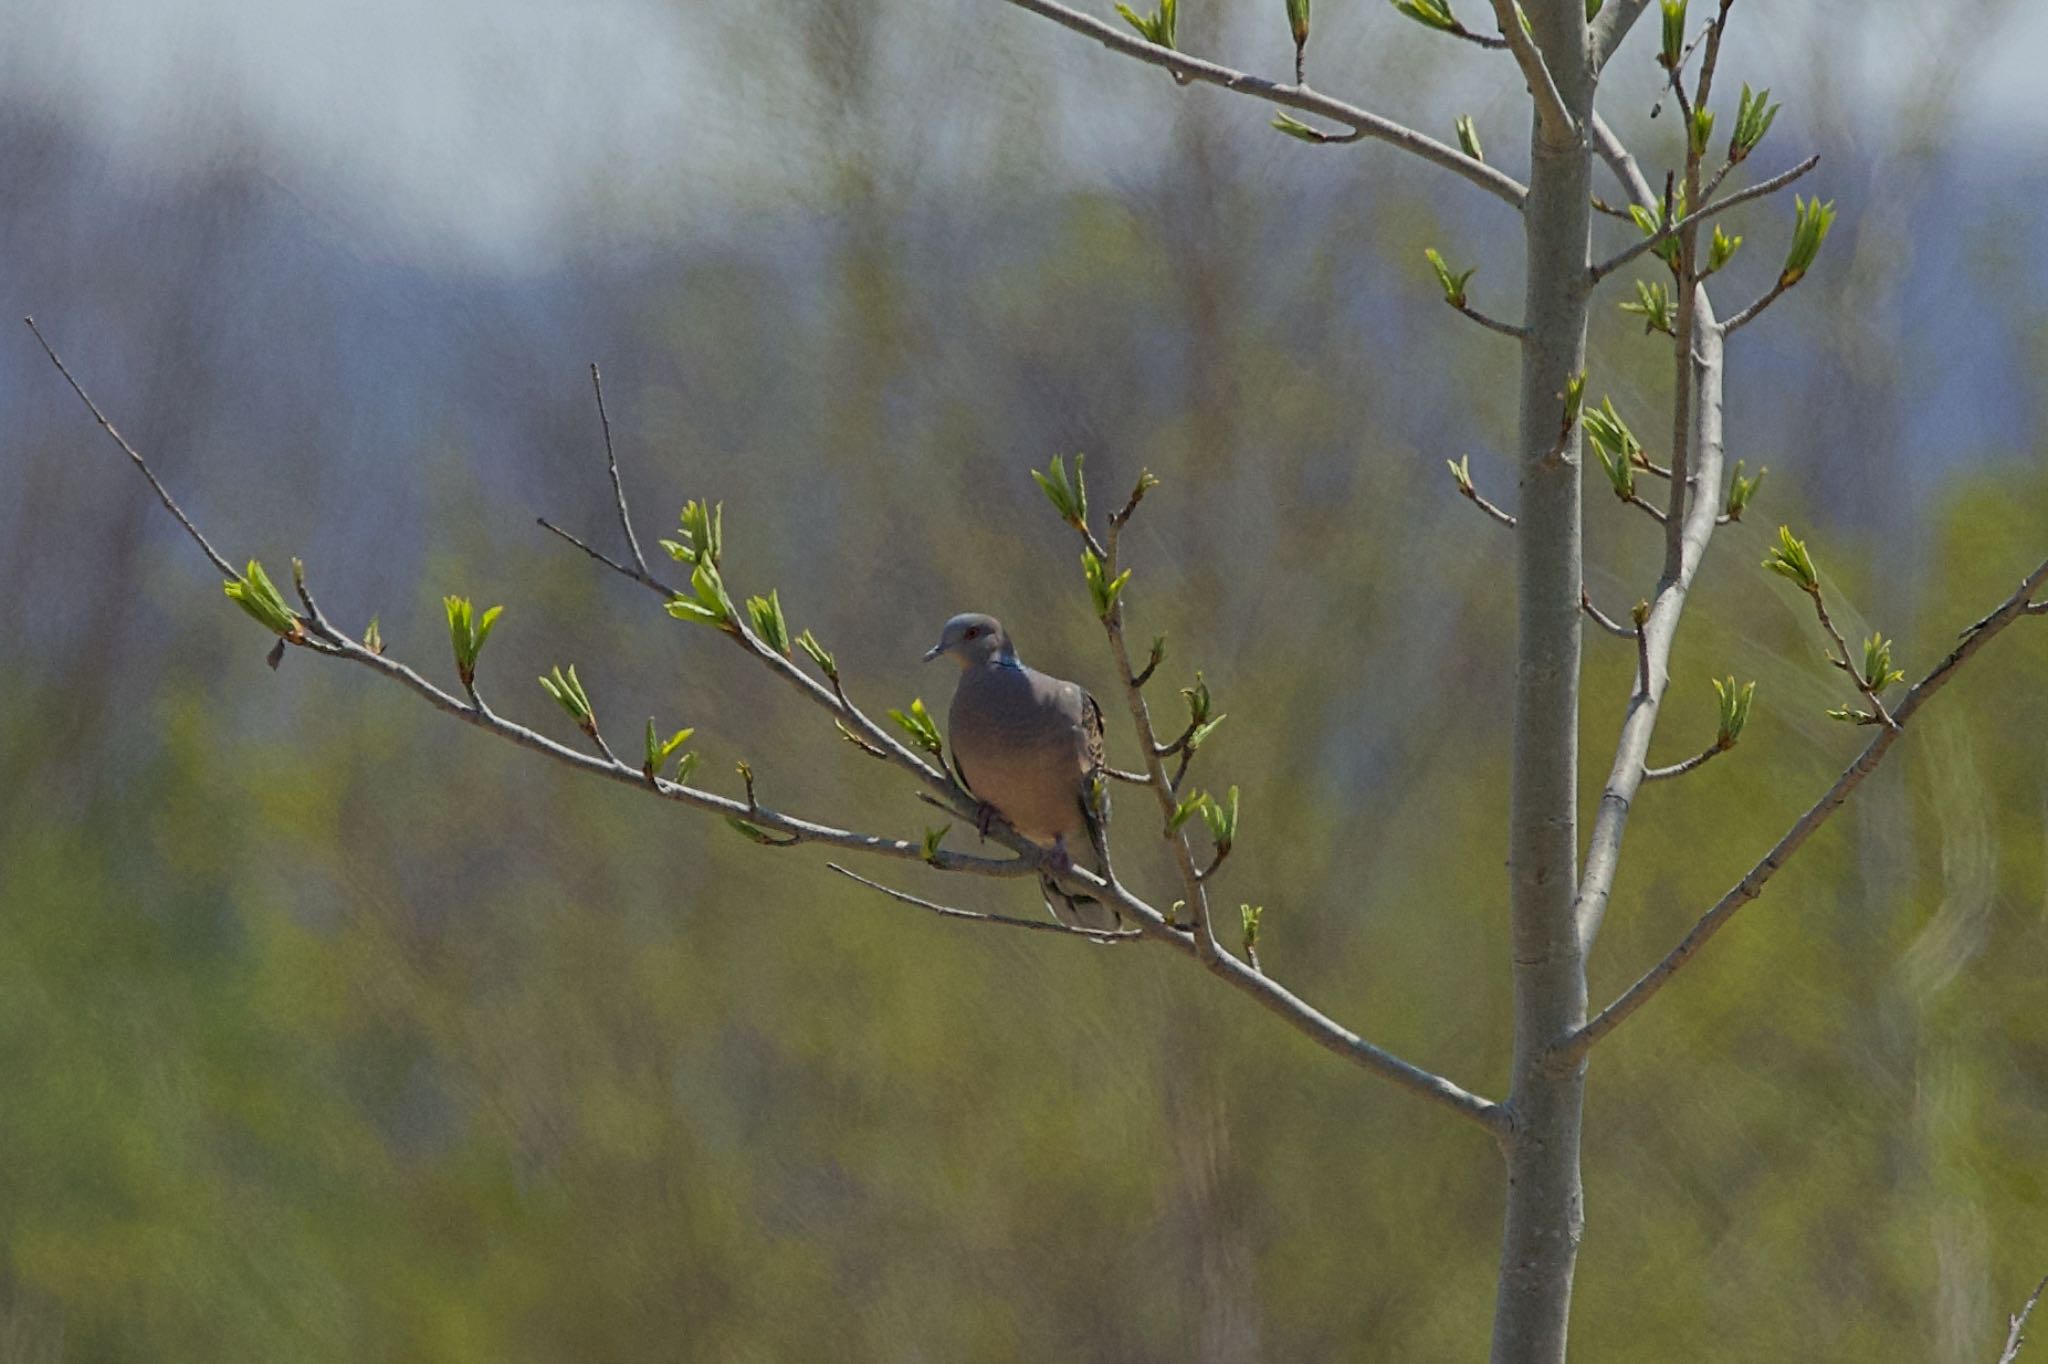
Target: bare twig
pixel 1493 181
pixel 1602 619
pixel 612 461
pixel 1704 213
pixel 1749 314
pixel 1752 884
pixel 640 575
pixel 1698 760
pixel 1003 920
pixel 2015 1335
pixel 1479 500
pixel 1492 324
pixel 227 570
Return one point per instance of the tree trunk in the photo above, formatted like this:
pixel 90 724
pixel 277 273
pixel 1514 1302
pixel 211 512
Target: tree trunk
pixel 1545 1210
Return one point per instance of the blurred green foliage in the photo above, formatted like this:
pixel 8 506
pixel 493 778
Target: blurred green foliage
pixel 331 1029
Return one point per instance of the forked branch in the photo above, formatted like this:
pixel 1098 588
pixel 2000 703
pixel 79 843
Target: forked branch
pixel 2020 603
pixel 315 632
pixel 1501 186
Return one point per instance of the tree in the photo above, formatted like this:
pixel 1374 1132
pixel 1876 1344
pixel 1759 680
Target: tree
pixel 1556 908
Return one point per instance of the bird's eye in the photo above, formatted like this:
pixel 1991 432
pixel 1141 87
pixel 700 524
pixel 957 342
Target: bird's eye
pixel 973 631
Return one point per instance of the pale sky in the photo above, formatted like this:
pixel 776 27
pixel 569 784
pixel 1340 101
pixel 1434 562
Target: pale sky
pixel 480 129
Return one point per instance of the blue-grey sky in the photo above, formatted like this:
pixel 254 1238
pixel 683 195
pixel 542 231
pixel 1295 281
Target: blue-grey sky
pixel 483 131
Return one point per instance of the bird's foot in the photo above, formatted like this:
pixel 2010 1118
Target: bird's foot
pixel 1058 860
pixel 984 818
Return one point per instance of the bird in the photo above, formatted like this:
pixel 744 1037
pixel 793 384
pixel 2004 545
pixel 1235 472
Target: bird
pixel 1029 747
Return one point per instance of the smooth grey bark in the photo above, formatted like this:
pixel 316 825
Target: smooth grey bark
pixel 1545 1201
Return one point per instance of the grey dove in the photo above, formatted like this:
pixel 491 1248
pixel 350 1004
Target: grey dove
pixel 1029 747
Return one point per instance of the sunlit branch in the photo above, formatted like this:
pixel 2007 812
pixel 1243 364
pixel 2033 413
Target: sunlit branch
pixel 1752 884
pixel 1700 215
pixel 320 636
pixel 1494 182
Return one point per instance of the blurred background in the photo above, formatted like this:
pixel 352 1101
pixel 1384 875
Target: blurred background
pixel 333 1030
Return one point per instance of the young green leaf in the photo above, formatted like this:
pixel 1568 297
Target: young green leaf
pixel 1878 672
pixel 1069 496
pixel 1811 220
pixel 1198 701
pixel 1653 305
pixel 827 664
pixel 1461 471
pixel 932 838
pixel 1184 810
pixel 373 638
pixel 1434 14
pixel 769 623
pixel 1674 34
pixel 1734 702
pixel 1249 916
pixel 1650 221
pixel 1789 559
pixel 917 723
pixel 1722 249
pixel 1221 817
pixel 1200 733
pixel 569 694
pixel 1741 490
pixel 1702 130
pixel 1453 283
pixel 1102 589
pixel 1156 27
pixel 1297 24
pixel 685 765
pixel 708 602
pixel 659 749
pixel 703 532
pixel 259 597
pixel 1468 138
pixel 467 632
pixel 1295 128
pixel 1752 120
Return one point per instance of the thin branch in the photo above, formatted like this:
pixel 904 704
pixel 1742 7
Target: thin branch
pixel 1476 498
pixel 618 486
pixel 1494 182
pixel 1848 665
pixel 323 638
pixel 1491 42
pixel 1492 324
pixel 1602 619
pixel 1693 763
pixel 1749 314
pixel 1118 774
pixel 1610 26
pixel 1649 509
pixel 1553 117
pixel 1700 215
pixel 1752 884
pixel 227 570
pixel 641 575
pixel 2015 1335
pixel 1004 920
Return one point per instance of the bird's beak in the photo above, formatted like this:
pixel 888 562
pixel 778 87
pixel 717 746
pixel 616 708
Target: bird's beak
pixel 934 651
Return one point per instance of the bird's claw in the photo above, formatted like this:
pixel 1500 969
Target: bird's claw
pixel 984 818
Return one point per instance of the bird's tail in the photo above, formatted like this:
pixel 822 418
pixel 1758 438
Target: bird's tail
pixel 1082 910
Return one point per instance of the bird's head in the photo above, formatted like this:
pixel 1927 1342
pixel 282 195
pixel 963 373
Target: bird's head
pixel 972 640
